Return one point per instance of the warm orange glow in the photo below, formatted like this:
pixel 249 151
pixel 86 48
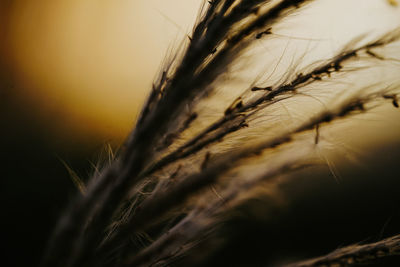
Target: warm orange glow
pixel 92 61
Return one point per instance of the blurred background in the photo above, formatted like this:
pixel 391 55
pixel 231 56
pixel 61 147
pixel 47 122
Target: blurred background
pixel 73 76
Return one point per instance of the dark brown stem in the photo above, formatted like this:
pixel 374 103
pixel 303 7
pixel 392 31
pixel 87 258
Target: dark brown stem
pixel 355 254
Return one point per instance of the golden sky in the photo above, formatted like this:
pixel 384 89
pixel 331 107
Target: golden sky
pixel 92 62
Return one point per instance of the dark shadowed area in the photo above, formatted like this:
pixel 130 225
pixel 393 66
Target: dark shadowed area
pixel 321 215
pixel 319 212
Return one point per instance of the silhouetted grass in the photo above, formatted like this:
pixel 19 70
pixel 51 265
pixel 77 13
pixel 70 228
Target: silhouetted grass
pixel 185 169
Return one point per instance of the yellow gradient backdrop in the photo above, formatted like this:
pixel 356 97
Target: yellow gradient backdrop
pixel 85 66
pixel 91 63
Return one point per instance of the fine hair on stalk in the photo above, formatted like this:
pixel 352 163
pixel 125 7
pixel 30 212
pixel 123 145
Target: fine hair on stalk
pixel 236 112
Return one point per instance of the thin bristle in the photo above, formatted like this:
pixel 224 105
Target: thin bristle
pixel 201 148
